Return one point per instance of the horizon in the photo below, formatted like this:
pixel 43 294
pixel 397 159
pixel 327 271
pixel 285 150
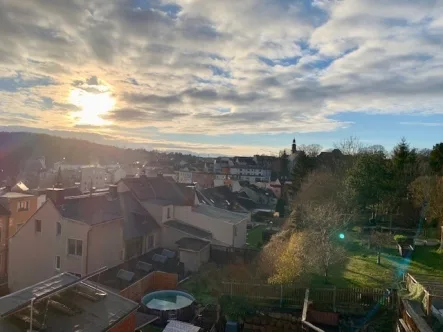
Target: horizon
pixel 223 78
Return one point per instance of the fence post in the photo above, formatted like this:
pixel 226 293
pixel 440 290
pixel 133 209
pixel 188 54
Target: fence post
pixel 334 299
pixel 281 295
pixel 305 305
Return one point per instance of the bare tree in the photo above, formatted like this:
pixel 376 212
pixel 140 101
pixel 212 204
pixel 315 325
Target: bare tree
pixel 311 150
pixel 349 146
pixel 379 241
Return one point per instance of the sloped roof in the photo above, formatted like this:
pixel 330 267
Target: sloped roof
pixel 92 210
pixel 214 212
pixel 160 188
pixel 192 244
pixel 138 221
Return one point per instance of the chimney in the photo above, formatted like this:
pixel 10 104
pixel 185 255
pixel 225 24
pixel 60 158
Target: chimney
pixel 57 195
pixel 113 191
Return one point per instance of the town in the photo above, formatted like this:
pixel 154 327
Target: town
pixel 307 240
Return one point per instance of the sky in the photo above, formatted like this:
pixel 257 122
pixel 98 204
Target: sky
pixel 223 77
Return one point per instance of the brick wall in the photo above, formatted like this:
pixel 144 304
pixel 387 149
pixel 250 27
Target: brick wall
pixel 126 325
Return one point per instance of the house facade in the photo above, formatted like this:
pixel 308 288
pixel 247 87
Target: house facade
pixel 4 224
pixel 21 207
pixel 177 211
pixel 92 176
pixel 68 238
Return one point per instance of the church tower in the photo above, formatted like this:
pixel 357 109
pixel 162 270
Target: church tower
pixel 294 146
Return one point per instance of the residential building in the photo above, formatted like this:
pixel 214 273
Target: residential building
pixel 92 177
pixel 185 177
pixel 21 207
pixel 176 208
pixel 117 175
pixel 81 235
pixel 65 302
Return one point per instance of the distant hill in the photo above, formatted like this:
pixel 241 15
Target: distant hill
pixel 18 147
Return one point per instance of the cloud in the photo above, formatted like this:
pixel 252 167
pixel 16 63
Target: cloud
pixel 276 66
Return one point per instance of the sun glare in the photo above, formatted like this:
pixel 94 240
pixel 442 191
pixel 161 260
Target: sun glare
pixel 93 106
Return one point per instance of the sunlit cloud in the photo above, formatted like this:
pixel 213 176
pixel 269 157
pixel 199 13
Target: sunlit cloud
pixel 93 107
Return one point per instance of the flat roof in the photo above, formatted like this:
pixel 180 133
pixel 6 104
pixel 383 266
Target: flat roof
pixel 92 308
pixel 214 212
pixel 12 194
pixel 189 243
pixel 189 229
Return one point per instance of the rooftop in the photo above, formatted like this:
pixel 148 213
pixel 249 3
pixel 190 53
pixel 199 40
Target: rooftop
pixel 187 228
pixel 92 210
pixel 177 326
pixel 160 188
pixel 192 244
pixel 228 216
pixel 63 303
pixel 15 195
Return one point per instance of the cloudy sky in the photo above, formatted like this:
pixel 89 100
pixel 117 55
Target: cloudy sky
pixel 223 77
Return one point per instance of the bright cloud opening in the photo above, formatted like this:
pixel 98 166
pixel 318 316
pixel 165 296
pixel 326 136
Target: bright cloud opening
pixel 93 107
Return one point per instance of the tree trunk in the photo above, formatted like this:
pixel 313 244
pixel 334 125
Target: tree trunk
pixel 378 257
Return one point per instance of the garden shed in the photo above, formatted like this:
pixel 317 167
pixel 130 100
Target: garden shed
pixel 193 252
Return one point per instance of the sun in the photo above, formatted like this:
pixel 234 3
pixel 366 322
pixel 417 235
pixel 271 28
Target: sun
pixel 93 106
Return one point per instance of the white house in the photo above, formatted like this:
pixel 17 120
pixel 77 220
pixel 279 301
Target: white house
pixel 92 176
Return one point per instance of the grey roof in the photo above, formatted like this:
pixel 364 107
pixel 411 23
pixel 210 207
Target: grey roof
pixel 189 229
pixel 12 194
pixel 141 320
pixel 92 316
pixel 228 216
pixel 138 221
pixel 92 210
pixel 193 244
pixel 160 188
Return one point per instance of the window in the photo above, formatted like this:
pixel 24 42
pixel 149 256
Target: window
pixel 58 227
pixel 38 226
pixel 169 213
pixel 23 206
pixel 75 247
pixel 57 262
pixel 151 241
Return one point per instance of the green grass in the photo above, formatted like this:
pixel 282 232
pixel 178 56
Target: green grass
pixel 360 269
pixel 255 236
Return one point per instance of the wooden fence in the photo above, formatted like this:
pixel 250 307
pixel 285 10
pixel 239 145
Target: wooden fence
pixel 230 255
pixel 330 298
pixel 156 280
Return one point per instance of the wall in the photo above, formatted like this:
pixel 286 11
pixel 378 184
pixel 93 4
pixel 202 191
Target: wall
pixel 71 229
pixel 193 260
pixel 221 231
pixel 190 259
pixel 155 210
pixel 157 240
pixel 240 238
pixel 31 254
pixel 184 177
pixel 126 325
pixel 20 217
pixel 105 245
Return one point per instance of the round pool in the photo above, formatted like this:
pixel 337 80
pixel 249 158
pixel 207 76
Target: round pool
pixel 170 304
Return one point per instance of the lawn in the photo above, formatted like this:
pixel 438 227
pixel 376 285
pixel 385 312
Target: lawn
pixel 360 269
pixel 254 237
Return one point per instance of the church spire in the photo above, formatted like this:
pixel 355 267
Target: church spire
pixel 294 146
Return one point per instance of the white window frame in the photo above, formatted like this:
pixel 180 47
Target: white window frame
pixel 58 260
pixel 76 251
pixel 23 207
